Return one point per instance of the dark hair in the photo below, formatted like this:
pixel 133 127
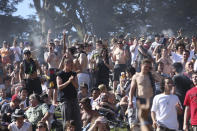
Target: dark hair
pixel 6 78
pixel 121 36
pixel 69 124
pixel 42 124
pixel 157 35
pixel 163 83
pixel 180 44
pixel 23 88
pixel 84 85
pixel 43 96
pixel 178 67
pixel 95 89
pixel 146 61
pixel 51 43
pixel 131 69
pixel 106 56
pixel 99 42
pixel 187 51
pixel 86 101
pixel 9 66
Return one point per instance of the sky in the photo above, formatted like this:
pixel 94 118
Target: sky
pixel 24 10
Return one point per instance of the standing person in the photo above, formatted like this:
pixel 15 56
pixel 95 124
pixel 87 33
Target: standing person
pixel 103 65
pixel 68 85
pixel 191 106
pixel 165 108
pixel 134 51
pixel 52 60
pixel 155 43
pixel 16 50
pixel 19 124
pixel 29 68
pixel 83 75
pixel 178 55
pixel 166 60
pixel 143 84
pixel 182 85
pixel 5 53
pixel 120 56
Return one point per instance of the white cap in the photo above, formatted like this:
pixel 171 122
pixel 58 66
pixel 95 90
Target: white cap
pixel 56 40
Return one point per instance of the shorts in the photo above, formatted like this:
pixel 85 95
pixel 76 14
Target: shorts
pixel 52 78
pixel 118 68
pixel 33 86
pixel 132 116
pixel 70 110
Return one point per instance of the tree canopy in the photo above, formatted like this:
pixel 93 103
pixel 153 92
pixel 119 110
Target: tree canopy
pixel 109 17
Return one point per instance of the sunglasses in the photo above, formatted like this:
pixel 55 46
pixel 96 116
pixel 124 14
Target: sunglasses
pixel 40 126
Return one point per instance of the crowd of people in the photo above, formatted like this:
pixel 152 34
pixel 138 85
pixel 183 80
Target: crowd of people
pixel 140 84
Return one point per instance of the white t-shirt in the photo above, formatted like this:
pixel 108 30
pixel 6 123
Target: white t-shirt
pixel 176 57
pixel 54 60
pixel 195 65
pixel 17 52
pixel 165 108
pixel 134 53
pixel 153 46
pixel 26 127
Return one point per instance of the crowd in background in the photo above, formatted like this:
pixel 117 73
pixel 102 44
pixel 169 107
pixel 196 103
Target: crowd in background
pixel 98 84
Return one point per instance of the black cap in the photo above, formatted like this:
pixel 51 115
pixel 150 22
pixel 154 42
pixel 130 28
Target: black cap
pixel 27 52
pixel 18 113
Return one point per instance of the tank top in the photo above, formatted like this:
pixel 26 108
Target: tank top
pixel 29 67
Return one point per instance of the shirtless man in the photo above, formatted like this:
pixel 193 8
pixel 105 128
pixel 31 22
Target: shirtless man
pixel 142 83
pixel 83 75
pixel 52 59
pixel 120 57
pixel 29 68
pixel 166 60
pixel 88 115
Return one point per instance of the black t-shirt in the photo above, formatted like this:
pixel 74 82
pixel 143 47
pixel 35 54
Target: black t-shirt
pixel 5 110
pixel 182 84
pixel 68 92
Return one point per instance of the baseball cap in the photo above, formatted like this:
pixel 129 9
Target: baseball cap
pixel 56 40
pixel 15 97
pixel 27 52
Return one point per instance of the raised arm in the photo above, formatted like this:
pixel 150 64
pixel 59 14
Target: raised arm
pixel 21 71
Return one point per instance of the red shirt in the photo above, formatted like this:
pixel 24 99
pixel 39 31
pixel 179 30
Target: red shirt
pixel 191 101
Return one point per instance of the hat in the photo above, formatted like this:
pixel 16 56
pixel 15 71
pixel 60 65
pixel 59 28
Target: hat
pixel 15 97
pixel 27 51
pixel 142 39
pixel 5 42
pixel 18 113
pixel 147 41
pixel 83 84
pixel 26 43
pixel 56 40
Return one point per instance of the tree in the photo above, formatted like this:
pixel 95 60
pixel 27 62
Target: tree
pixel 8 6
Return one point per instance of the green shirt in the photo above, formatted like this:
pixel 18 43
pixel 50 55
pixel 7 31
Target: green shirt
pixel 35 114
